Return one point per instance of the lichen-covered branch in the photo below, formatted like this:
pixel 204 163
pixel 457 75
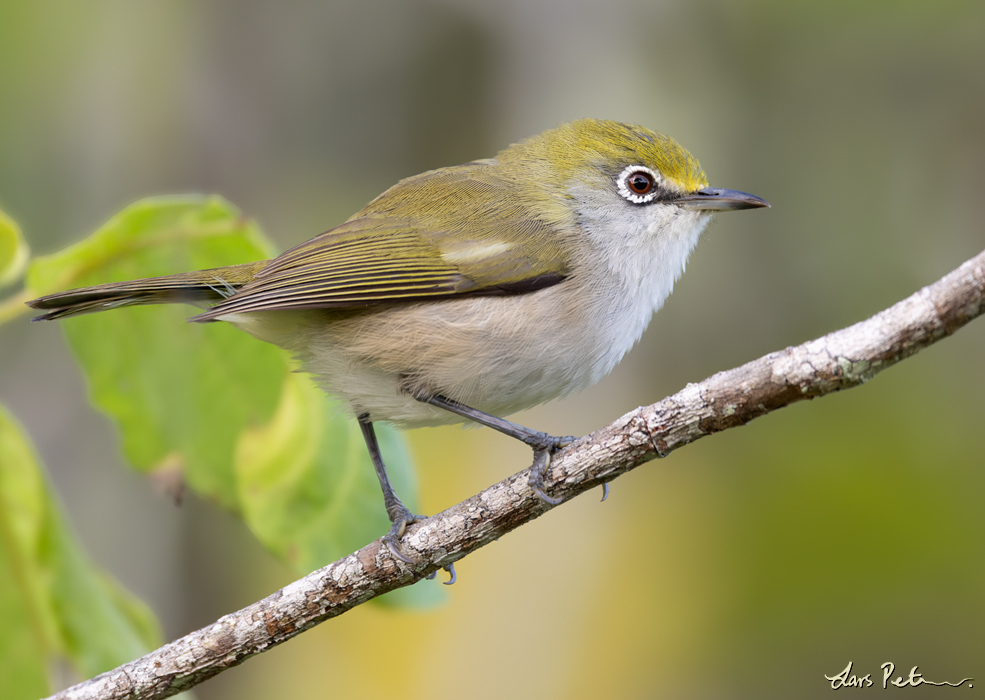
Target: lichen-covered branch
pixel 840 360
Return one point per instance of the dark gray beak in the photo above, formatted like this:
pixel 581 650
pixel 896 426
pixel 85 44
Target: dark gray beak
pixel 713 199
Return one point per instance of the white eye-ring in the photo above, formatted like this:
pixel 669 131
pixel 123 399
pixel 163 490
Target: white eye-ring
pixel 638 184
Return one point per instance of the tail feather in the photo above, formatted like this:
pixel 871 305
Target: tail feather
pixel 199 288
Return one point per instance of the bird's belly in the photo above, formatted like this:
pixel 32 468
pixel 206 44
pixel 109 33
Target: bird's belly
pixel 497 354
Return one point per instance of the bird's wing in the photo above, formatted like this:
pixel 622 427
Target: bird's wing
pixel 405 246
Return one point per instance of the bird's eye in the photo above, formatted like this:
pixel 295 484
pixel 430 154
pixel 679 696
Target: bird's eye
pixel 638 184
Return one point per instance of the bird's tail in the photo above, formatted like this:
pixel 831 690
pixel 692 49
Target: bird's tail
pixel 199 288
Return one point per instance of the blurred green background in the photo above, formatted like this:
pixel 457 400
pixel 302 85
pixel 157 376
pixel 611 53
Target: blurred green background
pixel 745 566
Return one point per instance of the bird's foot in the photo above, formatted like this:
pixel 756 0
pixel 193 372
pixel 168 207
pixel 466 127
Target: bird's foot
pixel 401 519
pixel 544 447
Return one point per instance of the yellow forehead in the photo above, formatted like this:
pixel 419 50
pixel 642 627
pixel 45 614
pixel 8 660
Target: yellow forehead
pixel 612 146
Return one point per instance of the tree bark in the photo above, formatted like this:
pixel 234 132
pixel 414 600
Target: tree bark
pixel 839 360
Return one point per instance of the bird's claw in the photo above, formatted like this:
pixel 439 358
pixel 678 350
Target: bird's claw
pixel 542 460
pixel 396 551
pixel 401 519
pixel 392 539
pixel 550 500
pixel 452 576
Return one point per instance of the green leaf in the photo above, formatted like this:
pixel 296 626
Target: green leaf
pixel 178 392
pixel 210 400
pixel 52 599
pixel 29 631
pixel 13 250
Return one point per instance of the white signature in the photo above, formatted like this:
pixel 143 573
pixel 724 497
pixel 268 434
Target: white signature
pixel 847 679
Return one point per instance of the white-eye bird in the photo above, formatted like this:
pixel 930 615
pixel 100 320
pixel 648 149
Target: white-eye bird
pixel 469 292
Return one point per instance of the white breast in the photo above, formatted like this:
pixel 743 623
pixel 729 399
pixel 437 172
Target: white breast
pixel 641 251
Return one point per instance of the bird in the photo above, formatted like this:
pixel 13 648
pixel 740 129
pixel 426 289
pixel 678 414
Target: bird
pixel 470 292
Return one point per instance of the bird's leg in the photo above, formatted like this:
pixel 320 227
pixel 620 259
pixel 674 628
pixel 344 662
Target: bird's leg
pixel 398 513
pixel 543 445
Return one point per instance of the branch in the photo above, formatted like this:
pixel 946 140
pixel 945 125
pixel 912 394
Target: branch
pixel 840 360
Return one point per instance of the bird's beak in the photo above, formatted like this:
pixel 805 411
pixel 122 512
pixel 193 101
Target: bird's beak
pixel 713 199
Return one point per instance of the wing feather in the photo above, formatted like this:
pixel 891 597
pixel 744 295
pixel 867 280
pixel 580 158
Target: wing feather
pixel 405 247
